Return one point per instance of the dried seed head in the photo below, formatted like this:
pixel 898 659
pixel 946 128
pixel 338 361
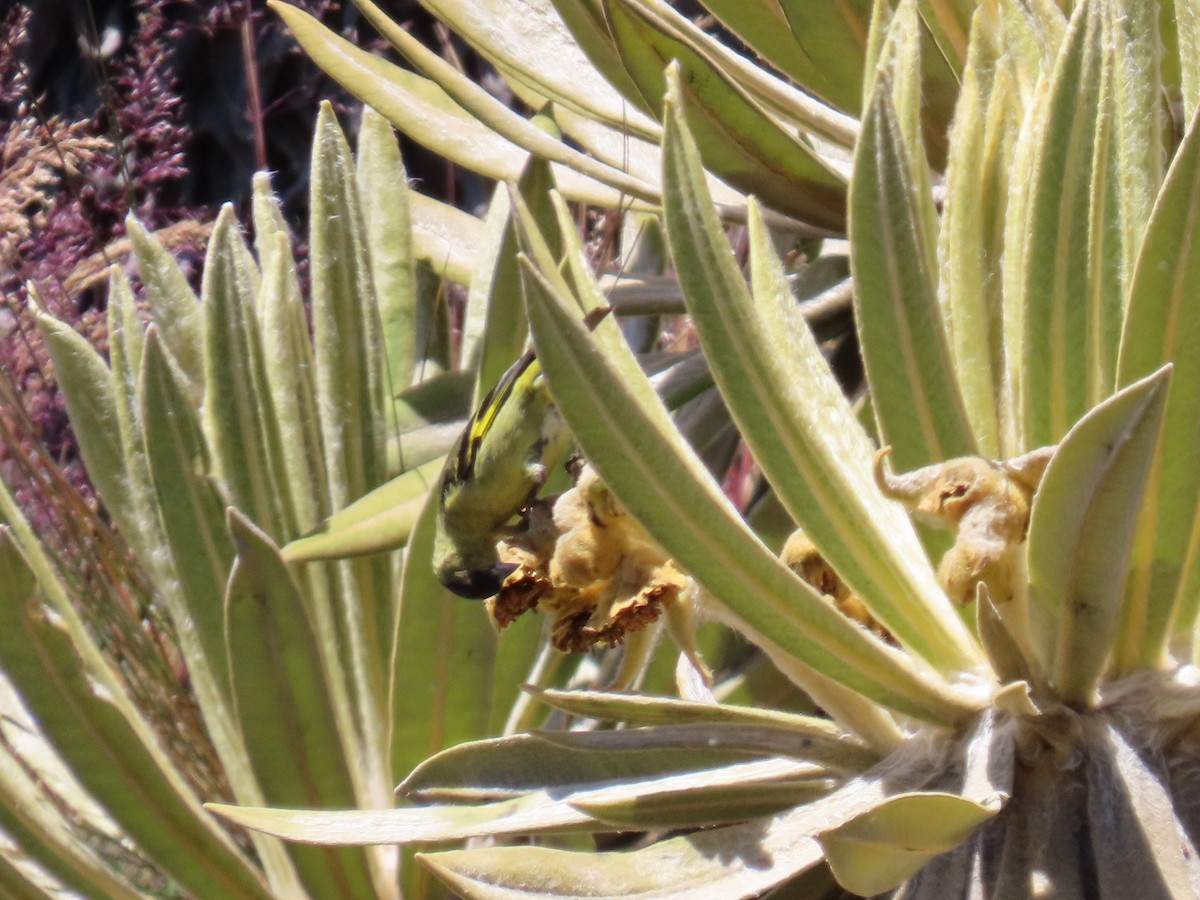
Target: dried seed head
pixel 986 503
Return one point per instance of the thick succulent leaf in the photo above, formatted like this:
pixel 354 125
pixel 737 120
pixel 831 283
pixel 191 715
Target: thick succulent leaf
pixel 876 851
pixel 383 188
pixel 32 820
pixel 1161 324
pixel 972 231
pixel 794 416
pixel 628 436
pixel 1056 340
pixel 382 519
pixel 453 678
pixel 89 719
pixel 282 701
pixel 735 861
pixel 892 252
pixel 173 304
pixel 424 112
pixel 345 321
pixel 1138 115
pixel 532 42
pixel 821 46
pixel 741 143
pixel 528 814
pixel 1080 531
pixel 238 412
pixel 445 238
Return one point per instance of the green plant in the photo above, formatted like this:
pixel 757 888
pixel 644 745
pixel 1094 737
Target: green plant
pixel 1037 738
pixel 1020 282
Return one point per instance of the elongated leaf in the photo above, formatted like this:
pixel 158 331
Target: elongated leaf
pixel 818 45
pixel 739 141
pixel 110 751
pixel 239 415
pixel 88 388
pixel 878 850
pixel 1187 17
pixel 892 252
pixel 504 121
pixel 1050 330
pixel 282 701
pixel 972 231
pixel 768 740
pixel 1162 320
pixel 454 678
pixel 1080 531
pixel 547 57
pixel 506 327
pixel 734 861
pixel 383 187
pixel 792 413
pixel 173 303
pixel 288 362
pixel 445 238
pixel 628 436
pixel 424 112
pixel 380 520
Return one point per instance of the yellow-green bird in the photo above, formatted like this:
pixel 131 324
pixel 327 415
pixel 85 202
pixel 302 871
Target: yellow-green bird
pixel 501 461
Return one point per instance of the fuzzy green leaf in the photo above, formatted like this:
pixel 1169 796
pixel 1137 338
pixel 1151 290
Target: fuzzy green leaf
pixel 914 387
pixel 628 436
pixel 1057 340
pixel 282 701
pixel 1160 327
pixel 423 111
pixel 878 850
pixel 1080 532
pixel 792 413
pixel 739 141
pixel 383 188
pixel 112 753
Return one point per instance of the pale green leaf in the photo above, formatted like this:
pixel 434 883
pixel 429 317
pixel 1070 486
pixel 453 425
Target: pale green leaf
pixel 628 436
pixel 496 115
pixel 1187 19
pixel 972 231
pixel 288 362
pixel 878 850
pixel 1080 532
pixel 238 412
pixel 383 188
pixel 1056 340
pixel 892 252
pixel 445 238
pixel 282 701
pixel 795 418
pixel 1160 327
pixel 112 752
pixel 173 305
pixel 741 143
pixel 424 112
pixel 454 678
pixel 532 42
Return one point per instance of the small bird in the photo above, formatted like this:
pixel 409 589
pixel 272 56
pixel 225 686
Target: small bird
pixel 501 461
